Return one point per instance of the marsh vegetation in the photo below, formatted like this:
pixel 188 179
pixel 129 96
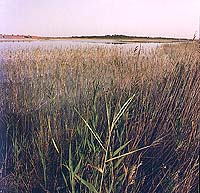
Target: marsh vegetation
pixel 101 119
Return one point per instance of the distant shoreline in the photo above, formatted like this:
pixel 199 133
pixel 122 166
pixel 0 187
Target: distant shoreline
pixel 122 41
pixel 136 40
pixel 113 38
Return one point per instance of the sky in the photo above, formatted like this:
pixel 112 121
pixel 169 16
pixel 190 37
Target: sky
pixel 166 18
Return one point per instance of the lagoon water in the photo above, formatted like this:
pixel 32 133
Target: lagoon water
pixel 72 43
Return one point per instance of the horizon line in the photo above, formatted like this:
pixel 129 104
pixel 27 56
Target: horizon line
pixel 103 35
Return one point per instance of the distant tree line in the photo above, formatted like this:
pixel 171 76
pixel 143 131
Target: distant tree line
pixel 115 36
pixel 27 36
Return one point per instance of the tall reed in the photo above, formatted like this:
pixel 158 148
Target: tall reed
pixel 101 119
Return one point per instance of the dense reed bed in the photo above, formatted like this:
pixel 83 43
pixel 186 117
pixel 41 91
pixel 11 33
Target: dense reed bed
pixel 101 119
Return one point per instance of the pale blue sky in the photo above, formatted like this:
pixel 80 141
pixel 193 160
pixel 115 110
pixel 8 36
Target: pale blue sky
pixel 171 18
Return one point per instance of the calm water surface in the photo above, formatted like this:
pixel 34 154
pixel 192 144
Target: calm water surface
pixel 73 43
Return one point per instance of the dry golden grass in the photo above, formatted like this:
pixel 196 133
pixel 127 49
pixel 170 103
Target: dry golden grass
pixel 102 119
